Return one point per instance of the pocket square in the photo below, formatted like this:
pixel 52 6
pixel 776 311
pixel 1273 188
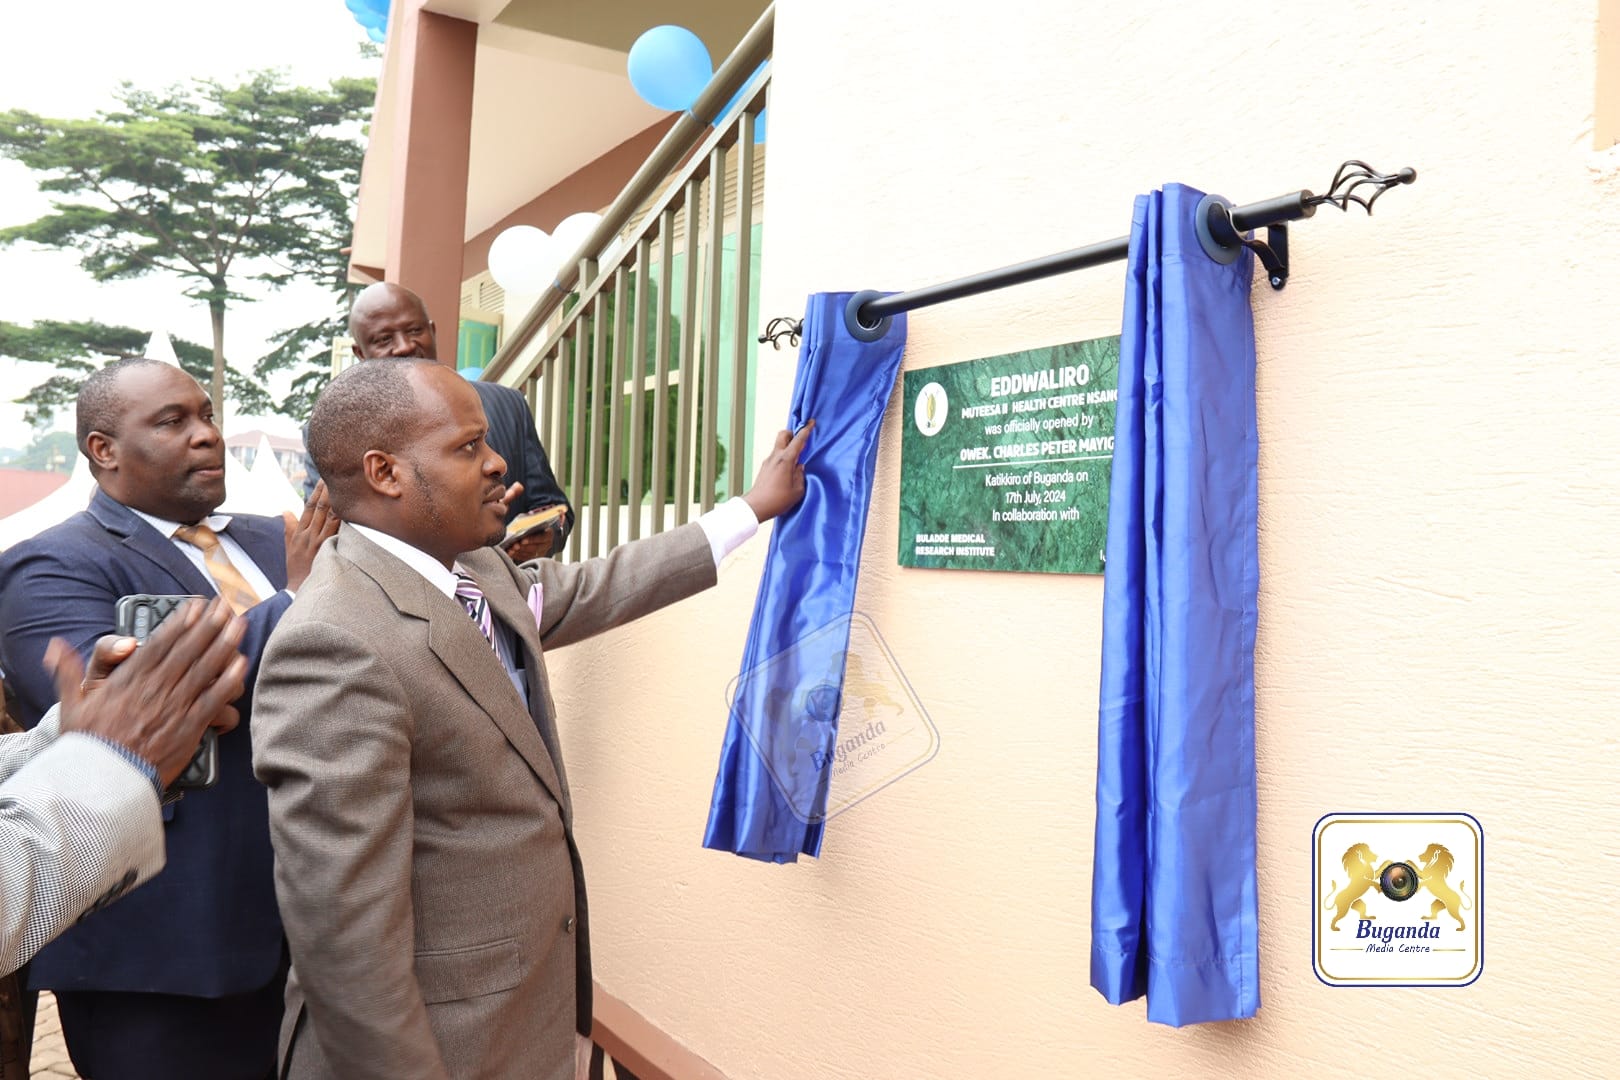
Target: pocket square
pixel 536 602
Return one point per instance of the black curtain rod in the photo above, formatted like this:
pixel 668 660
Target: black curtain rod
pixel 1221 228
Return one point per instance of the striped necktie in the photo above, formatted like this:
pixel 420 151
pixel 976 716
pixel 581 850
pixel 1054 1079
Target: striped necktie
pixel 232 585
pixel 477 604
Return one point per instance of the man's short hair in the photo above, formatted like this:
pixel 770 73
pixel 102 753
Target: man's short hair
pixel 367 407
pixel 99 403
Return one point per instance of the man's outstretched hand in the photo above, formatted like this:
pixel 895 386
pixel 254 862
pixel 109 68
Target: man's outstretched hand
pixel 779 487
pixel 157 699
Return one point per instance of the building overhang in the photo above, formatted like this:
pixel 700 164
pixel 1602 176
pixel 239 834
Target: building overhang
pixel 550 97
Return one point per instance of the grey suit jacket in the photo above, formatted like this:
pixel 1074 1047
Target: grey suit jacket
pixel 79 827
pixel 425 861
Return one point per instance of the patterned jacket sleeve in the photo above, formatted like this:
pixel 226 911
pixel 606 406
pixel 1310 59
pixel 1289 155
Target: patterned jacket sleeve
pixel 79 828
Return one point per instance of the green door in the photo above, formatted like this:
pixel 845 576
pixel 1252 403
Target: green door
pixel 476 344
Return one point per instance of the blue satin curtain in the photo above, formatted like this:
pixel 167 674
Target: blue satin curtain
pixel 770 796
pixel 1173 905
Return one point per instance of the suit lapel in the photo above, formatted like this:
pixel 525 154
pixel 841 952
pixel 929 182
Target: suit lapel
pixel 511 607
pixel 459 645
pixel 139 537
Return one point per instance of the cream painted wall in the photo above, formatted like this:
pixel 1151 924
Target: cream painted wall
pixel 1438 539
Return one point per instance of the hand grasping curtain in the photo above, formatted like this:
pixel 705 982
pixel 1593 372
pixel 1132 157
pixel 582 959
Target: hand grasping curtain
pixel 770 796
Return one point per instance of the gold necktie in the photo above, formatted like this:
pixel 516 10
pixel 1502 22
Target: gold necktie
pixel 232 585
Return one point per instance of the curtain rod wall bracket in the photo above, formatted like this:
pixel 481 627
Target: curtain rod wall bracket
pixel 1220 228
pixel 1221 241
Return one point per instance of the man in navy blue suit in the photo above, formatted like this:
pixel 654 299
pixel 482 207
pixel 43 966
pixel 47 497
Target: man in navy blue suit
pixel 184 977
pixel 389 322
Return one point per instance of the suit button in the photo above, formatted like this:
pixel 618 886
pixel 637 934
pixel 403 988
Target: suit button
pixel 568 925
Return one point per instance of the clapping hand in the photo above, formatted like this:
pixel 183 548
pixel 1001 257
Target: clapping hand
pixel 156 699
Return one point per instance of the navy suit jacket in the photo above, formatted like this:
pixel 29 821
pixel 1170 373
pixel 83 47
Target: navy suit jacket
pixel 512 435
pixel 207 925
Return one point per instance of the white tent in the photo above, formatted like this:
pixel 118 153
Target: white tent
pixel 53 509
pixel 274 476
pixel 160 347
pixel 262 489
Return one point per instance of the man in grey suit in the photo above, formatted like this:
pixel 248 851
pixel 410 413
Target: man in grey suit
pixel 79 794
pixel 419 808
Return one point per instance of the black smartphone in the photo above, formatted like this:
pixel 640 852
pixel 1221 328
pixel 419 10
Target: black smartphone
pixel 137 617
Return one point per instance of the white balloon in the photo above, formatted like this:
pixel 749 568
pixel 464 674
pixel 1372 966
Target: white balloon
pixel 615 247
pixel 521 259
pixel 571 232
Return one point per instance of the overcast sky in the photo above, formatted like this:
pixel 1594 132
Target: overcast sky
pixel 67 62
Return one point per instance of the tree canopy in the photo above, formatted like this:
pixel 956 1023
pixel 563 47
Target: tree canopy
pixel 75 349
pixel 220 187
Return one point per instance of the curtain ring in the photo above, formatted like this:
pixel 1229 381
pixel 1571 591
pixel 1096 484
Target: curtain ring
pixel 859 330
pixel 1222 253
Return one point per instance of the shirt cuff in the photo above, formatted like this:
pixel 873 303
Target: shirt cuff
pixel 146 768
pixel 728 526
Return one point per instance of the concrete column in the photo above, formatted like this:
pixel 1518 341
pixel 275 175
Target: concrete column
pixel 427 212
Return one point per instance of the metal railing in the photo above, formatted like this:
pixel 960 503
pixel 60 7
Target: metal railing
pixel 626 379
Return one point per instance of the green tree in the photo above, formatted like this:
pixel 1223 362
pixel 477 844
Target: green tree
pixel 75 349
pixel 52 451
pixel 308 347
pixel 219 186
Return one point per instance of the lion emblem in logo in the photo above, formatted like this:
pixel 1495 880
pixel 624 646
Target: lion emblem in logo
pixel 861 686
pixel 1435 863
pixel 1360 864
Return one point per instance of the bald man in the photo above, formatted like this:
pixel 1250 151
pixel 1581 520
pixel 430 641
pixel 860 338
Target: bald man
pixel 390 322
pixel 425 857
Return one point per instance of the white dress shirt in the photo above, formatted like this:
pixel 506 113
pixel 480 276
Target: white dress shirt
pixel 727 527
pixel 233 551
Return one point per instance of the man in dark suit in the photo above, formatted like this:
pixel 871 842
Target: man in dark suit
pixel 184 978
pixel 389 322
pixel 425 860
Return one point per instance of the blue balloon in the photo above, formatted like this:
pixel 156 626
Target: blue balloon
pixel 376 35
pixel 669 67
pixel 370 14
pixel 759 126
pixel 472 374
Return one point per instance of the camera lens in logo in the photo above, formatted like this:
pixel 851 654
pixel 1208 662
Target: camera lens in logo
pixel 1398 881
